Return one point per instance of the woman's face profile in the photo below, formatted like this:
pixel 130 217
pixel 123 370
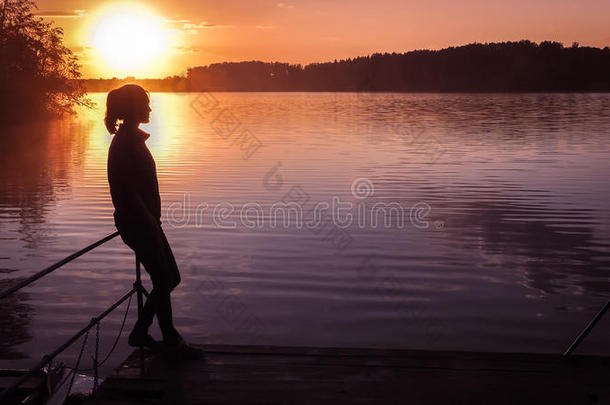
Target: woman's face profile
pixel 144 113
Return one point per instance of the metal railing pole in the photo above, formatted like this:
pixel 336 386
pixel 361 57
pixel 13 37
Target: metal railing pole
pixel 55 266
pixel 47 359
pixel 588 329
pixel 137 288
pixel 138 285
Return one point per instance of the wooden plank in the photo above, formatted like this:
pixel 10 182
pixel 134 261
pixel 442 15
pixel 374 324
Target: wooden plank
pixel 457 360
pixel 305 375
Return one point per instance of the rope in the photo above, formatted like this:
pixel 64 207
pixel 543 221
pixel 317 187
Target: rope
pixel 97 351
pixel 49 357
pixel 61 384
pixel 116 340
pixel 75 369
pixel 80 355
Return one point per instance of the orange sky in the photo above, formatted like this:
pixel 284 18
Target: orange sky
pixel 200 32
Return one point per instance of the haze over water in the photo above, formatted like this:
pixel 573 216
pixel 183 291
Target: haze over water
pixel 510 253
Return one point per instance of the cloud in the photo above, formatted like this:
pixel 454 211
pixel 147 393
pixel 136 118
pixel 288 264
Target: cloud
pixel 284 5
pixel 203 25
pixel 84 52
pixel 61 14
pixel 189 27
pixel 175 21
pixel 187 49
pixel 265 27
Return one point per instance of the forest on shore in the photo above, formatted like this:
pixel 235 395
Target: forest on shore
pixel 522 66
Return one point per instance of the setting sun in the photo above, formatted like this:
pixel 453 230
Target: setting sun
pixel 129 39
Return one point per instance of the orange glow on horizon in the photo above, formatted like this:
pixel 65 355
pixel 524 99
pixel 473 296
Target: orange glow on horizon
pixel 176 35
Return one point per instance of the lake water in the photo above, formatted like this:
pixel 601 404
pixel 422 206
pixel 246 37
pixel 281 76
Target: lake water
pixel 494 236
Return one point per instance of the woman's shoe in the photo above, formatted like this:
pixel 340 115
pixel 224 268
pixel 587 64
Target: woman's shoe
pixel 144 341
pixel 183 351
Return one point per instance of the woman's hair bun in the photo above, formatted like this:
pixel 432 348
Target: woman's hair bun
pixel 121 103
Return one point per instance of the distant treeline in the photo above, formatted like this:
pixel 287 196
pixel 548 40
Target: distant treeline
pixel 495 67
pixel 173 84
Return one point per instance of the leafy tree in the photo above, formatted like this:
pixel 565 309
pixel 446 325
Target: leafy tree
pixel 38 74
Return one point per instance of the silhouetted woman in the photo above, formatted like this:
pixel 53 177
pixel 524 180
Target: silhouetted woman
pixel 135 194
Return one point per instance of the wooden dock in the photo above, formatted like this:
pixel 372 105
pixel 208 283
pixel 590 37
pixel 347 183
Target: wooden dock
pixel 34 388
pixel 313 375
